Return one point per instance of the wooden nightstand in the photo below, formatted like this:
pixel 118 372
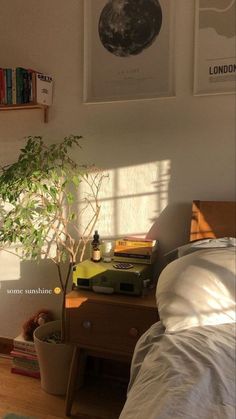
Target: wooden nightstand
pixel 106 326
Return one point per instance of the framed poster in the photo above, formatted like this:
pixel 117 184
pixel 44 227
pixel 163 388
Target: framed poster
pixel 128 49
pixel 215 47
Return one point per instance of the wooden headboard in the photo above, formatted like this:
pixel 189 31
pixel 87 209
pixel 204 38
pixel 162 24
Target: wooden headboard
pixel 213 219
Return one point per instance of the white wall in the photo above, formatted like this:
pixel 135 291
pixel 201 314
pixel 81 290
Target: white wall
pixel 161 153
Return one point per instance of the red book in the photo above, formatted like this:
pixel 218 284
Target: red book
pixel 19 354
pixel 34 374
pixel 2 87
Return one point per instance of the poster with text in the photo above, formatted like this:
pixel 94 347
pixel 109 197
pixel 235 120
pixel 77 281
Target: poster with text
pixel 215 47
pixel 128 49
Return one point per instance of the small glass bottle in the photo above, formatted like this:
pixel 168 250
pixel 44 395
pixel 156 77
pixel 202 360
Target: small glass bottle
pixel 96 252
pixel 107 251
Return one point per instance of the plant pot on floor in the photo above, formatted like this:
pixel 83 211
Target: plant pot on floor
pixel 54 359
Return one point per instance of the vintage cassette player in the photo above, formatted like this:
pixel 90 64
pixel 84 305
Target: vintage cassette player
pixel 110 277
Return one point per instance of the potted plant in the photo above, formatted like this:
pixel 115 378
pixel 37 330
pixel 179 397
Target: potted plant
pixel 40 217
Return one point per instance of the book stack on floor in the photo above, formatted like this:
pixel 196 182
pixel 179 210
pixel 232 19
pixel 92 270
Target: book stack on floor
pixel 135 250
pixel 24 358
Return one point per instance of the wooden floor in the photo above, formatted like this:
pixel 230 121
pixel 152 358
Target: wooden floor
pixel 99 398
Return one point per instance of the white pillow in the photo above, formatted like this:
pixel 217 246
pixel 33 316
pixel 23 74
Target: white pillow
pixel 191 247
pixel 198 289
pixel 206 243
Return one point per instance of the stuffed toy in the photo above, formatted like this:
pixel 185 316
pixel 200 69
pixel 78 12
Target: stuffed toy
pixel 39 318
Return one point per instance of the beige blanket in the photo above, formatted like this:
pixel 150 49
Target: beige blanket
pixel 189 374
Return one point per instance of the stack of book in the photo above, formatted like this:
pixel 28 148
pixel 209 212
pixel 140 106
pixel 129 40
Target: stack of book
pixel 24 358
pixel 21 86
pixel 135 250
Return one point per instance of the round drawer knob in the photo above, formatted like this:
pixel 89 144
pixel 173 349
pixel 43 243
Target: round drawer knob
pixel 87 324
pixel 133 332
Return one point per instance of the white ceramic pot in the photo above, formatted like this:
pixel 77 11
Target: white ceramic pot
pixel 54 359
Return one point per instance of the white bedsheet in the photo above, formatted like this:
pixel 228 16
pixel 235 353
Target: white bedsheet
pixel 189 374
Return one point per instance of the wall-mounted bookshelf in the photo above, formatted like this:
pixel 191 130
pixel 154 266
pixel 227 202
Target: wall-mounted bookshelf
pixel 27 106
pixel 25 89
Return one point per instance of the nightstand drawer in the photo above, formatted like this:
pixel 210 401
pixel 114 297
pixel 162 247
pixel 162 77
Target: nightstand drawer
pixel 108 327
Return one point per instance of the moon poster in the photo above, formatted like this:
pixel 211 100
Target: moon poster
pixel 128 49
pixel 215 47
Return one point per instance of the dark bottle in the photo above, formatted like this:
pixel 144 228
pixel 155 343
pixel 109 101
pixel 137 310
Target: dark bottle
pixel 96 252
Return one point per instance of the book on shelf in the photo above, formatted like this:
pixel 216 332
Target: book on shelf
pixel 8 78
pixel 32 81
pixel 2 87
pixel 13 86
pixel 44 84
pixel 20 86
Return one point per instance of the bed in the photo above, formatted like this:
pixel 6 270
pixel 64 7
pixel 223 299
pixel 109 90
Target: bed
pixel 184 365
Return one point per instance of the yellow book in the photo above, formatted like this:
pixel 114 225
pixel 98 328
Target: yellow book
pixel 135 243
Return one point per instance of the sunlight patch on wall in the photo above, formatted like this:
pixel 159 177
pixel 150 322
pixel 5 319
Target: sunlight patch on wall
pixel 9 266
pixel 132 198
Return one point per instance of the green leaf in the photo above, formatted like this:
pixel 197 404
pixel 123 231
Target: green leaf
pixel 76 180
pixel 70 198
pixel 53 192
pixel 72 216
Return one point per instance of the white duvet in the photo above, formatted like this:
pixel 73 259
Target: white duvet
pixel 189 374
